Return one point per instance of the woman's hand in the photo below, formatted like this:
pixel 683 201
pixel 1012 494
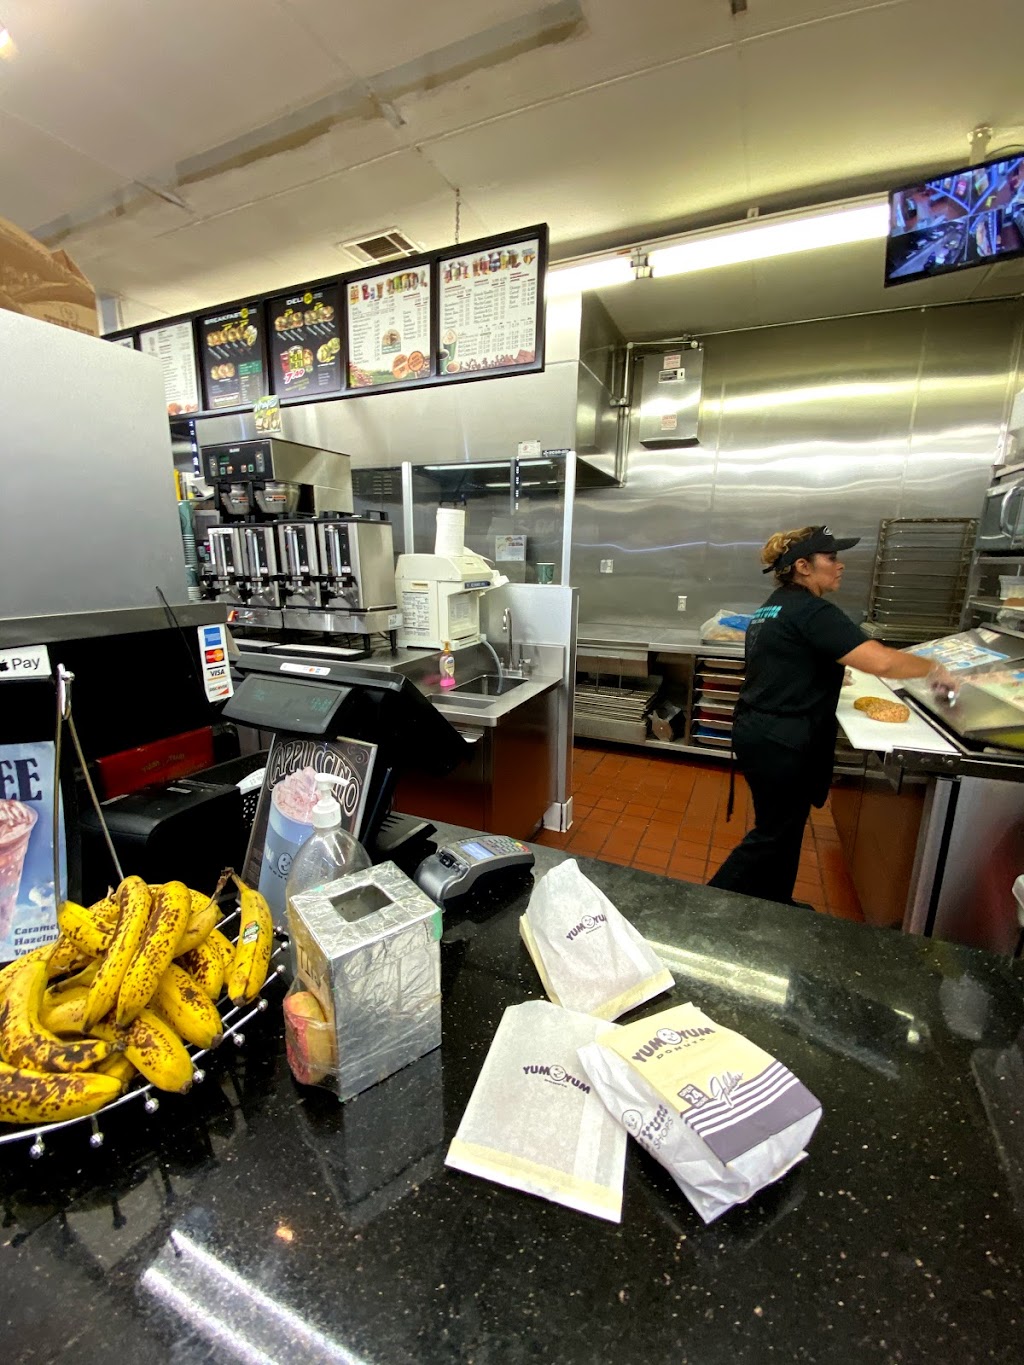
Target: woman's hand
pixel 943 684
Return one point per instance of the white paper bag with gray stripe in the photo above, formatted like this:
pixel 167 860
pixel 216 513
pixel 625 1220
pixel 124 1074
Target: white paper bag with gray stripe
pixel 720 1114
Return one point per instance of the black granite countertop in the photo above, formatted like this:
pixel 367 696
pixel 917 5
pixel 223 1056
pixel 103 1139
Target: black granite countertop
pixel 256 1221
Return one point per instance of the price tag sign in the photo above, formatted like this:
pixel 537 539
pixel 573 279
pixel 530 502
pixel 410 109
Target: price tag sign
pixel 267 416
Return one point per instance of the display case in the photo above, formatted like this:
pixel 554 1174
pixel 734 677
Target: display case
pixel 988 710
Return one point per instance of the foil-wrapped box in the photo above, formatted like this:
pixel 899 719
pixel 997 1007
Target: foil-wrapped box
pixel 367 946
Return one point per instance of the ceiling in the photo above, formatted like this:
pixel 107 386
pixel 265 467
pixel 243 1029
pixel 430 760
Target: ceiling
pixel 189 153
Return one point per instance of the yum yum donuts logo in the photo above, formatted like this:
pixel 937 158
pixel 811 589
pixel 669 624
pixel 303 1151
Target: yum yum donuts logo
pixel 668 1037
pixel 556 1075
pixel 587 925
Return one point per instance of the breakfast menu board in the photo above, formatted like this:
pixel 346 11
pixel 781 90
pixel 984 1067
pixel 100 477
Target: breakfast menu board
pixel 489 308
pixel 389 328
pixel 305 343
pixel 174 347
pixel 234 367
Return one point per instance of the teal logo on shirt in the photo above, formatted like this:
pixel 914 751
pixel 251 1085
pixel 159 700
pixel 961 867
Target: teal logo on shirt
pixel 765 614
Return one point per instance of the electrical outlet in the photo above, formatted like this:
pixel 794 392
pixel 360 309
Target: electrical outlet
pixel 681 602
pixel 606 565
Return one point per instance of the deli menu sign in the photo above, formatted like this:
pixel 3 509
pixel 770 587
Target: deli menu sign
pixel 473 311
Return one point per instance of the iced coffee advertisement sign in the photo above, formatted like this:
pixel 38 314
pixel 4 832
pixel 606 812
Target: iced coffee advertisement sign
pixel 389 328
pixel 284 816
pixel 489 308
pixel 27 909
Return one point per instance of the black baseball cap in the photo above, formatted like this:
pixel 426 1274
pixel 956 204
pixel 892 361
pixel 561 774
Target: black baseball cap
pixel 821 541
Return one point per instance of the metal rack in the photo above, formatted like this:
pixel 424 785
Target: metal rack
pixel 919 583
pixel 235 1018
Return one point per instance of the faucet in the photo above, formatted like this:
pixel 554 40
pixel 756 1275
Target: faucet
pixel 506 625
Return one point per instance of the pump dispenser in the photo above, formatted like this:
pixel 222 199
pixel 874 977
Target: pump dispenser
pixel 330 852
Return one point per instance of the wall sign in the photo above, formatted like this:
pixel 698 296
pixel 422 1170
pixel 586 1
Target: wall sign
pixel 488 309
pixel 305 343
pixel 234 368
pixel 475 311
pixel 389 328
pixel 174 346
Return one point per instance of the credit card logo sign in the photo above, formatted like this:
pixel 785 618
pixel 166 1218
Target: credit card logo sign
pixel 214 656
pixel 211 635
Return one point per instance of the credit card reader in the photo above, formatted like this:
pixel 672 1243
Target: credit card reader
pixel 455 868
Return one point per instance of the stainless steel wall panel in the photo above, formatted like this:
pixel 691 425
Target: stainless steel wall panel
pixel 845 421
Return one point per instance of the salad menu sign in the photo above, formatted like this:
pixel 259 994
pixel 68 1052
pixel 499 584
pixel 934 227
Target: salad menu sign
pixel 389 328
pixel 305 343
pixel 488 309
pixel 234 369
pixel 174 347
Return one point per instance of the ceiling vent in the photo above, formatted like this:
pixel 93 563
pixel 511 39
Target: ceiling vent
pixel 387 245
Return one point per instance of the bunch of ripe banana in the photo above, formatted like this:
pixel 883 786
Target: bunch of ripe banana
pixel 129 981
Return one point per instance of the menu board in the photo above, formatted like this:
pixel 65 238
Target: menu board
pixel 389 328
pixel 234 368
pixel 124 341
pixel 175 349
pixel 489 308
pixel 305 343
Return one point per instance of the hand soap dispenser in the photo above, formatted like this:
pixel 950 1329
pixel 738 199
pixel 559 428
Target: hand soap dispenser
pixel 330 851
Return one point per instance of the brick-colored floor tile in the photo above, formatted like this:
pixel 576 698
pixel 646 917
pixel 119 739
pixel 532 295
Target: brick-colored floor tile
pixel 628 821
pixel 656 869
pixel 687 848
pixel 621 843
pixel 656 857
pixel 691 869
pixel 660 836
pixel 608 856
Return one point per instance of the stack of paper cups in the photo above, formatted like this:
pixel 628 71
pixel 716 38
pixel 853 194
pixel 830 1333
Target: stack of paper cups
pixel 450 539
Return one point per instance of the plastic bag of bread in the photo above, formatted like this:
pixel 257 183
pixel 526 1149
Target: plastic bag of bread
pixel 43 284
pixel 727 627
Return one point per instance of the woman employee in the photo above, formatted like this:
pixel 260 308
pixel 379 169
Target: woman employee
pixel 784 732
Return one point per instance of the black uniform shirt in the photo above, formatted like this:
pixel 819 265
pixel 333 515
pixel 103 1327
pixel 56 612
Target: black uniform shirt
pixel 792 675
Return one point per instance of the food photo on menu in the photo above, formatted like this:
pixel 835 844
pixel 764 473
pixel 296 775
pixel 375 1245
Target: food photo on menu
pixel 389 329
pixel 306 345
pixel 489 309
pixel 232 359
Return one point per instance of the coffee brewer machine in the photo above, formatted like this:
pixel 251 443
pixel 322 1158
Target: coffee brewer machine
pixel 287 552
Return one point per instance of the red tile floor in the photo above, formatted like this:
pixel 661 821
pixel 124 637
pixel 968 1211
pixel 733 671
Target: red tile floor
pixel 667 815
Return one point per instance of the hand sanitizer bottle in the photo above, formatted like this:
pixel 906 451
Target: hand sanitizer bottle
pixel 330 852
pixel 447 666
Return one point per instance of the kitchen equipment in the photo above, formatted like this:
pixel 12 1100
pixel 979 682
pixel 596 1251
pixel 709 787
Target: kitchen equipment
pixel 920 577
pixel 988 711
pixel 1002 516
pixel 439 597
pixel 671 382
pixel 262 576
pixel 226 577
pixel 300 563
pixel 279 478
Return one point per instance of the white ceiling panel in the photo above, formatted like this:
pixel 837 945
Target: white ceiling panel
pixel 408 31
pixel 40 177
pixel 144 83
pixel 537 163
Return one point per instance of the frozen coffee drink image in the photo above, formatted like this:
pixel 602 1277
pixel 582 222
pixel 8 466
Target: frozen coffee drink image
pixel 16 824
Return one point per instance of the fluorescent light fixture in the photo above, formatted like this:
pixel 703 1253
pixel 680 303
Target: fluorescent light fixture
pixel 759 241
pixel 597 274
pixel 7 48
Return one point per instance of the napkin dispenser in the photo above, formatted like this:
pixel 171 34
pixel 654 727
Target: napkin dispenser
pixel 368 947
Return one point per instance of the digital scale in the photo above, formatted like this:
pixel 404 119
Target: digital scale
pixel 456 868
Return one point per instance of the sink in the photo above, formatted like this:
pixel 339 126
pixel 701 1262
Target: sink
pixel 481 690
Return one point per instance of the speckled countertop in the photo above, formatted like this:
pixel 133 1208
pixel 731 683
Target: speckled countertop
pixel 256 1221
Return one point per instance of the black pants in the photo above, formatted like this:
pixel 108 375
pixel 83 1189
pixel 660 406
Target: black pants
pixel 781 782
